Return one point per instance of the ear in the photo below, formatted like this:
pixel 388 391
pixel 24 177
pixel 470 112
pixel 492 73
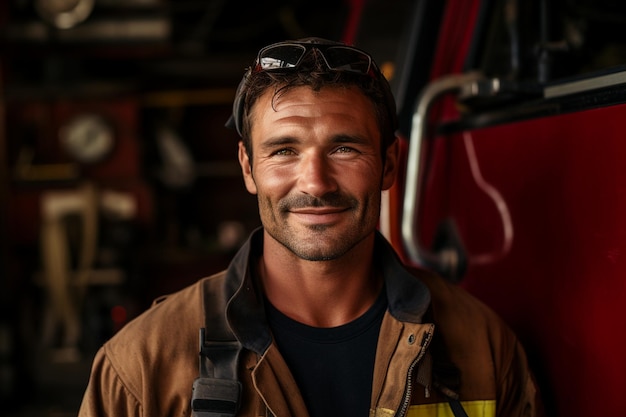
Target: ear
pixel 246 169
pixel 390 170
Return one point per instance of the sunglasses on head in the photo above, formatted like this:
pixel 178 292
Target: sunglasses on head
pixel 289 55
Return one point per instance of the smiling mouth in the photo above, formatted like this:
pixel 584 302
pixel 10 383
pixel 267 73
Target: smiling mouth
pixel 318 214
pixel 319 211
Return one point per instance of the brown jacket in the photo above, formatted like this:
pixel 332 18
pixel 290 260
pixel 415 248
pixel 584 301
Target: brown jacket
pixel 431 330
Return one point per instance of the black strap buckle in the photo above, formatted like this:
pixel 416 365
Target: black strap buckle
pixel 217 391
pixel 213 397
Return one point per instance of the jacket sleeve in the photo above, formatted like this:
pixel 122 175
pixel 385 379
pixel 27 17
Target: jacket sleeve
pixel 106 394
pixel 518 392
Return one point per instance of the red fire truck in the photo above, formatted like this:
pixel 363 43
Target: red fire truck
pixel 515 182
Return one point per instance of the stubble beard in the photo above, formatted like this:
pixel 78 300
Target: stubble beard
pixel 317 243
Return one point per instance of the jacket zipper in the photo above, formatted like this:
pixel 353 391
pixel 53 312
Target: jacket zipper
pixel 409 378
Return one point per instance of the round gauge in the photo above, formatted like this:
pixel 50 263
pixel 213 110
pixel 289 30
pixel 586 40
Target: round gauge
pixel 88 138
pixel 64 14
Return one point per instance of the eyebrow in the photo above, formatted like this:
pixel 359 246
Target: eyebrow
pixel 277 142
pixel 349 139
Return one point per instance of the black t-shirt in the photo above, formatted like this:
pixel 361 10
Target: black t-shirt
pixel 333 367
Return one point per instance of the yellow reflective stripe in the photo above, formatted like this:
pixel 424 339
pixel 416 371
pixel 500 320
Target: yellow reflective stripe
pixel 382 412
pixel 484 408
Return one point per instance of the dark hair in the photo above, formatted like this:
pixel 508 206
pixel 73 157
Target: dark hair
pixel 314 73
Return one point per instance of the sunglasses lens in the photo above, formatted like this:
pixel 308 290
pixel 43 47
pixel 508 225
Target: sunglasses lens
pixel 341 58
pixel 280 56
pixel 289 55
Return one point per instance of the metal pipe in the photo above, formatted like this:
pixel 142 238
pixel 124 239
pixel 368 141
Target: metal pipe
pixel 468 84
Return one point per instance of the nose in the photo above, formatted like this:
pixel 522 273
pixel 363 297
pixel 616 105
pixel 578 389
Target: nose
pixel 316 175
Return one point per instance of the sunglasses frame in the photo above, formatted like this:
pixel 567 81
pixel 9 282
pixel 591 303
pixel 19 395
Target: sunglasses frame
pixel 306 47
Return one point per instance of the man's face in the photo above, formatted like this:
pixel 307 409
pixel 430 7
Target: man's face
pixel 317 169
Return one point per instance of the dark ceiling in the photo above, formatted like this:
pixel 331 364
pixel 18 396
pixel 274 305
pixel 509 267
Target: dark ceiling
pixel 117 45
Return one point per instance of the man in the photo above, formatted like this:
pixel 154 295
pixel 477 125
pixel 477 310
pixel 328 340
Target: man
pixel 315 315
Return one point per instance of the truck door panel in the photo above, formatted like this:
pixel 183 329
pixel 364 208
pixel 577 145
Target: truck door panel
pixel 520 184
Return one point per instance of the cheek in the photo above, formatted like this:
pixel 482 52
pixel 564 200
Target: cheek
pixel 367 177
pixel 274 177
pixel 272 182
pixel 369 186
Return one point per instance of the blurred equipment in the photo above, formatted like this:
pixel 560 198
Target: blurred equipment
pixel 65 279
pixel 88 138
pixel 64 14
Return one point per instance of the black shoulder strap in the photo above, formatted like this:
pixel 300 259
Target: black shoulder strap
pixel 216 392
pixel 457 408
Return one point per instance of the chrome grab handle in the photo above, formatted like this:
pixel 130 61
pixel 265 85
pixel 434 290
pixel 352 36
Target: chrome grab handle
pixel 466 85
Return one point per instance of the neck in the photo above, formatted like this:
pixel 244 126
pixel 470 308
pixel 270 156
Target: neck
pixel 320 293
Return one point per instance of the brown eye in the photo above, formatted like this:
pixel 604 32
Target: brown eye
pixel 346 151
pixel 284 152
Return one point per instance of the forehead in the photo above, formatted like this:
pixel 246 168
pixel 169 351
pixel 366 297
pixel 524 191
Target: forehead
pixel 338 107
